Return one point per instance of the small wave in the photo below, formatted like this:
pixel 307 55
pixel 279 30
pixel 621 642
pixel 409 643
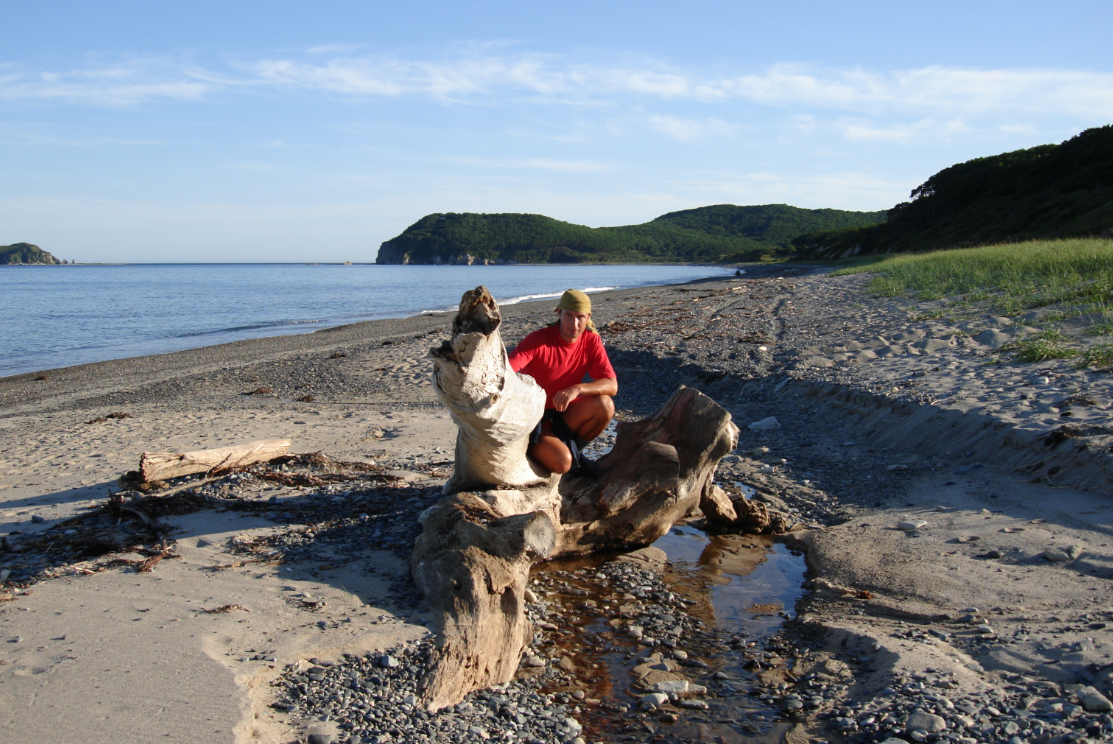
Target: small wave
pixel 529 298
pixel 549 295
pixel 523 298
pixel 244 328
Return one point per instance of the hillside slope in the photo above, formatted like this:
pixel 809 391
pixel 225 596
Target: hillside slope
pixel 1050 191
pixel 23 254
pixel 719 233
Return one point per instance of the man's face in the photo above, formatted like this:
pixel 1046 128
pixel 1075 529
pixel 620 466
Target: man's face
pixel 572 324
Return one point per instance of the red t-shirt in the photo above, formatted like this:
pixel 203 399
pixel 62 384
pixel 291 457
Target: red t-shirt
pixel 556 364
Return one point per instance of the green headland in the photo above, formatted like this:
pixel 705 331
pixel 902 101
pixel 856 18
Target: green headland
pixel 1045 192
pixel 723 233
pixel 24 254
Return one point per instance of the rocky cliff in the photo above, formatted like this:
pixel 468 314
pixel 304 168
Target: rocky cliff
pixel 18 254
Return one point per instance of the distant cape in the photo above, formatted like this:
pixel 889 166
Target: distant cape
pixel 25 254
pixel 723 233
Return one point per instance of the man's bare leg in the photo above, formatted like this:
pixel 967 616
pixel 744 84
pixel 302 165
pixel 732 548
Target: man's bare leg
pixel 587 417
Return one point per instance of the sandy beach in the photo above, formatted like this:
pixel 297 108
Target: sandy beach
pixel 954 507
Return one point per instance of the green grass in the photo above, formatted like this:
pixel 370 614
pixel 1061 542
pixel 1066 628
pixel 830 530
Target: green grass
pixel 1100 329
pixel 1099 355
pixel 1041 349
pixel 1071 278
pixel 1051 334
pixel 1010 277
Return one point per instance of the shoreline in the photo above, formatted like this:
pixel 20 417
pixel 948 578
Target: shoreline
pixel 267 329
pixel 884 419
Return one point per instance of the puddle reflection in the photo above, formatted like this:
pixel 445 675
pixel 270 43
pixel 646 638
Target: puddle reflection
pixel 729 593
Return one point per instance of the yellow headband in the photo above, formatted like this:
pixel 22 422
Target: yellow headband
pixel 576 301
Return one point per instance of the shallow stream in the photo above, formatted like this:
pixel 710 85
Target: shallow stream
pixel 709 616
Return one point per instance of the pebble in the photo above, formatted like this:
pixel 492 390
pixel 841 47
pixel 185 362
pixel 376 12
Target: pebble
pixel 911 525
pixel 367 701
pixel 1094 701
pixel 928 722
pixel 1055 555
pixel 766 424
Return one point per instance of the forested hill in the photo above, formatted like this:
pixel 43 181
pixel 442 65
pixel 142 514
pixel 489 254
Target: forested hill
pixel 722 233
pixel 24 253
pixel 1050 191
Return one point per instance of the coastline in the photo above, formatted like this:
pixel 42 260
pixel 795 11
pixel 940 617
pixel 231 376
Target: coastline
pixel 130 310
pixel 884 418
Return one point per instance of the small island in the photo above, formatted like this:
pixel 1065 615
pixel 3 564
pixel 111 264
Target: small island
pixel 26 254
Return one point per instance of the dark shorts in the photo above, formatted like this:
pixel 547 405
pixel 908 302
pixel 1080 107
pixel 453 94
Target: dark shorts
pixel 556 423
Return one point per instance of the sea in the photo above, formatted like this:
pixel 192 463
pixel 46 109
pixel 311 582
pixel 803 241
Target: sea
pixel 60 316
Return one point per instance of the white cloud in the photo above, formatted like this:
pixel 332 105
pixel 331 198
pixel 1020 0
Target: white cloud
pixel 892 133
pixel 689 130
pixel 251 167
pixel 482 74
pixel 563 166
pixel 120 83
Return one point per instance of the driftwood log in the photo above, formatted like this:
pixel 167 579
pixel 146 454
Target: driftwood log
pixel 165 465
pixel 501 513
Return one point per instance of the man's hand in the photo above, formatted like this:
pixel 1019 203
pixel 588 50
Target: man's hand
pixel 605 386
pixel 564 397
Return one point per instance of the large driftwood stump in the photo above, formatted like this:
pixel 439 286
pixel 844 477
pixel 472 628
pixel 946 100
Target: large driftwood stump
pixel 501 512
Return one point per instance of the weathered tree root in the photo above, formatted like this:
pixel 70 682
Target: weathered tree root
pixel 473 565
pixel 473 558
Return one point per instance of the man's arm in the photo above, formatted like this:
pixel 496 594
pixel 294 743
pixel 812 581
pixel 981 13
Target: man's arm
pixel 605 386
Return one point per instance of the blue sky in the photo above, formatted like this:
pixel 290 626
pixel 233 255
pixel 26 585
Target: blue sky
pixel 283 131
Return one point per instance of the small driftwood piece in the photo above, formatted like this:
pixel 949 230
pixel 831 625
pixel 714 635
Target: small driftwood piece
pixel 165 465
pixel 501 513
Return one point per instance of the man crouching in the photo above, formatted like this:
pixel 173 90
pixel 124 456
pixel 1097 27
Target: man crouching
pixel 576 412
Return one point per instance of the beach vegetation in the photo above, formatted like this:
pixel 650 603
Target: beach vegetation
pixel 1099 355
pixel 1009 277
pixel 1101 329
pixel 1041 349
pixel 723 233
pixel 1062 286
pixel 1051 334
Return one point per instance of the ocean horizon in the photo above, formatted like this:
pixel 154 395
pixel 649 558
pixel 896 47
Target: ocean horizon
pixel 71 314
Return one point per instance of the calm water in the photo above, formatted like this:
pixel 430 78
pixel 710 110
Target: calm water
pixel 58 316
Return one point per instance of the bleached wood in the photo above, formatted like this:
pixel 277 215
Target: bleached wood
pixel 165 465
pixel 501 512
pixel 494 407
